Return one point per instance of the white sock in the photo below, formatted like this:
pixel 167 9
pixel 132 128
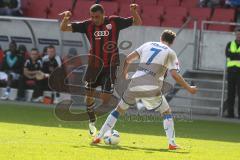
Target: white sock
pixel 109 123
pixel 168 125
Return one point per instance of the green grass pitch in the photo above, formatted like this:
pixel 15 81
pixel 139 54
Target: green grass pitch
pixel 33 133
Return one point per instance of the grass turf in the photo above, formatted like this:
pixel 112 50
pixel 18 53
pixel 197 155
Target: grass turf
pixel 28 133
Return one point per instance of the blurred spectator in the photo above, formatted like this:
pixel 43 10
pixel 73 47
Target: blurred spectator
pixel 71 53
pixel 22 49
pixel 232 3
pixel 10 7
pixel 44 52
pixel 1 57
pixel 49 63
pixel 73 67
pixel 3 76
pixel 233 74
pixel 12 66
pixel 31 67
pixel 210 3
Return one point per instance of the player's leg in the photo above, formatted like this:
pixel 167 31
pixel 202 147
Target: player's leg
pixel 168 124
pixel 90 103
pixel 107 80
pixel 111 120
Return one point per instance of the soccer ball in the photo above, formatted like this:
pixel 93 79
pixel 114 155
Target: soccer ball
pixel 111 137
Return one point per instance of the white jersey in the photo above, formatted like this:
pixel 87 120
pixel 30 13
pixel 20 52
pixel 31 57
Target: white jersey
pixel 155 59
pixel 147 83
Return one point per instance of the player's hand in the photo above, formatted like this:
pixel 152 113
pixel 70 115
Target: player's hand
pixel 66 14
pixel 193 89
pixel 133 8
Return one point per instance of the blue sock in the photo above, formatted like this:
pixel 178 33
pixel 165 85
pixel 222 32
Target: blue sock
pixel 109 123
pixel 115 114
pixel 167 116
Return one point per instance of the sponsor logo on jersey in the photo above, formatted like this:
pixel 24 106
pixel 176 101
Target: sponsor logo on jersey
pixel 101 34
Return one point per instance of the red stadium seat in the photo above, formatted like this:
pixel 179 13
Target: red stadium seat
pixel 139 2
pixel 189 3
pixel 200 14
pixel 151 20
pixel 58 7
pixel 176 23
pixel 220 28
pixel 169 3
pixel 176 11
pixel 199 23
pixel 153 10
pixel 224 15
pixel 111 8
pixel 82 9
pixel 37 9
pixel 125 10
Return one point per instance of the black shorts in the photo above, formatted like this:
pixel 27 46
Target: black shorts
pixel 104 78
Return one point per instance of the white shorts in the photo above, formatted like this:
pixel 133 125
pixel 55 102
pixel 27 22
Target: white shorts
pixel 158 103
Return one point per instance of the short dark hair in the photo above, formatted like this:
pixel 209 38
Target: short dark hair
pixel 96 8
pixel 168 36
pixel 34 49
pixel 51 47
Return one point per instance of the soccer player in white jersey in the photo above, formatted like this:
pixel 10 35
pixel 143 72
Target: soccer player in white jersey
pixel 156 58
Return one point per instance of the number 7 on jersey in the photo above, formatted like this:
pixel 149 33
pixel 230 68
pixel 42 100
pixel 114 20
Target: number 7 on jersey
pixel 155 51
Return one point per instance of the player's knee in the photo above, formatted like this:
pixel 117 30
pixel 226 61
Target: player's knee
pixel 168 111
pixel 89 100
pixel 120 110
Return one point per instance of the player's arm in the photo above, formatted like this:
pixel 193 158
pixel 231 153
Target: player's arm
pixel 136 18
pixel 129 59
pixel 28 74
pixel 66 25
pixel 180 80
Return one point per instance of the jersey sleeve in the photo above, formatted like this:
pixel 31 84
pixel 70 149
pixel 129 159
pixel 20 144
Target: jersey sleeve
pixel 173 62
pixel 139 50
pixel 123 23
pixel 80 27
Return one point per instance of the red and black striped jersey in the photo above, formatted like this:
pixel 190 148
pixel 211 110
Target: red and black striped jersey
pixel 103 39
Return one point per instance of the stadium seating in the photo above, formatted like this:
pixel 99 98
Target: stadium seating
pixel 174 16
pixel 224 15
pixel 189 3
pixel 139 2
pixel 220 14
pixel 176 11
pixel 111 8
pixel 125 10
pixel 36 9
pixel 153 10
pixel 58 7
pixel 176 23
pixel 151 20
pixel 200 14
pixel 169 3
pixel 226 28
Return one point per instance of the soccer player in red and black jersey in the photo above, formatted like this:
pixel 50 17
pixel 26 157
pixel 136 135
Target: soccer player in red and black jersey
pixel 102 33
